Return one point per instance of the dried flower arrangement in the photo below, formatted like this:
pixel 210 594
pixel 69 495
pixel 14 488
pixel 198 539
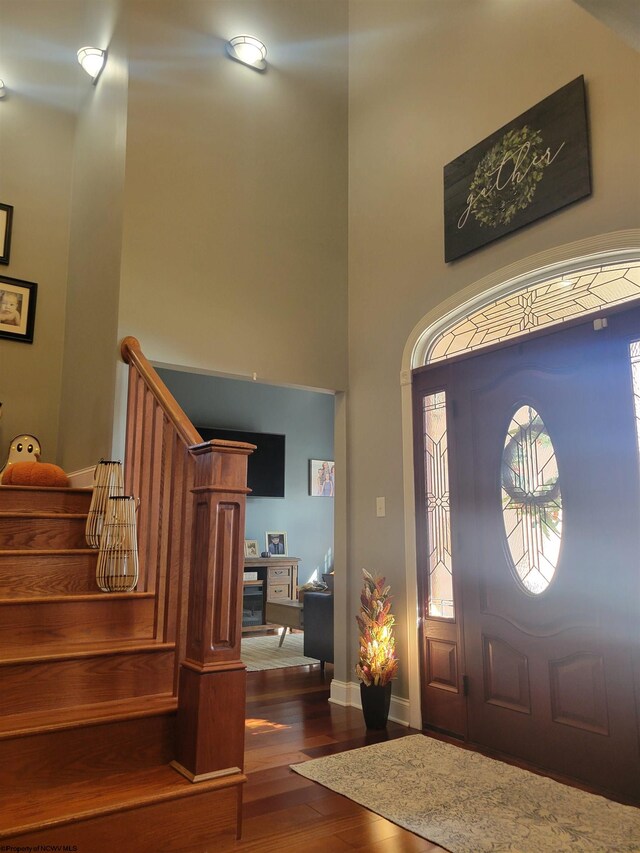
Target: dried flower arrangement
pixel 377 664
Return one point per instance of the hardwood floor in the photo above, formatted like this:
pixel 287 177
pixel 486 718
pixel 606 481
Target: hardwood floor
pixel 289 720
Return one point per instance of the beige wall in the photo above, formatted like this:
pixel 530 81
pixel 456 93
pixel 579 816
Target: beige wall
pixel 234 257
pixel 36 139
pixel 224 247
pixel 428 80
pixel 217 231
pixel 51 106
pixel 90 352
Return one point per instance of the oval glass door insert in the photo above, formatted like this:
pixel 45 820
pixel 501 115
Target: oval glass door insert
pixel 531 500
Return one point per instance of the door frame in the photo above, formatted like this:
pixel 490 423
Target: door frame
pixel 615 247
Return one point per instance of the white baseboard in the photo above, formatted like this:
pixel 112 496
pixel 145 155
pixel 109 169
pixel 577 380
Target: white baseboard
pixel 82 479
pixel 347 694
pixel 339 693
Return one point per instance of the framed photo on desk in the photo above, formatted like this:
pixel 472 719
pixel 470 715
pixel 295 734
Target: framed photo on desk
pixel 276 543
pixel 251 548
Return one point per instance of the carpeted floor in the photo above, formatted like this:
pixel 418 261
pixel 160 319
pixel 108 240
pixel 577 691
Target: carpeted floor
pixel 468 803
pixel 264 653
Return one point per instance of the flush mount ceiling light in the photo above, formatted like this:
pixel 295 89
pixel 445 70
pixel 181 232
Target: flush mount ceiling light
pixel 248 50
pixel 92 60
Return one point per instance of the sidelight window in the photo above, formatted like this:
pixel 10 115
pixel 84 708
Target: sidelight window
pixel 438 507
pixel 634 352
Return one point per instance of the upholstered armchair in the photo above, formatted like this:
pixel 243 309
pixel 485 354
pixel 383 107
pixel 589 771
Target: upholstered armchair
pixel 318 626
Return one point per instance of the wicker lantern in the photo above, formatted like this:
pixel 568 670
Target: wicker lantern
pixel 107 481
pixel 117 569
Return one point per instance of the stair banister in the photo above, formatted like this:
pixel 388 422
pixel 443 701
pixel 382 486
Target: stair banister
pixel 191 543
pixel 133 356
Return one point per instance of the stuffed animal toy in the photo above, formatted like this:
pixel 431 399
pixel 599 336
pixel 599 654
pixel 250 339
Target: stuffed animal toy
pixel 23 448
pixel 22 467
pixel 34 474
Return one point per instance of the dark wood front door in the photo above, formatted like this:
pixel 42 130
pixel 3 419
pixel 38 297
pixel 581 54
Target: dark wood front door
pixel 545 520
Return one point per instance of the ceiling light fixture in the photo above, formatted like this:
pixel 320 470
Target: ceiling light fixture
pixel 248 50
pixel 92 60
pixel 3 89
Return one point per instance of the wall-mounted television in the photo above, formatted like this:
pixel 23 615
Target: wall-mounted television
pixel 265 470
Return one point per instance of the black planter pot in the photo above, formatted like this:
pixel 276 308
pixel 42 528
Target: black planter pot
pixel 375 704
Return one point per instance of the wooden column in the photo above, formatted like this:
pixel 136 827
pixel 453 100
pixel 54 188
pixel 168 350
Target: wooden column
pixel 211 693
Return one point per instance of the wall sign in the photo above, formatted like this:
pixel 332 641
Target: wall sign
pixel 532 166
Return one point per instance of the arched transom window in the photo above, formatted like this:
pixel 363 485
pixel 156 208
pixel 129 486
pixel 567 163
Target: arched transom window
pixel 538 306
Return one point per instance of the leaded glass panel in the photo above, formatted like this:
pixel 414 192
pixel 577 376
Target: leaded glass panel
pixel 531 500
pixel 536 307
pixel 634 352
pixel 438 508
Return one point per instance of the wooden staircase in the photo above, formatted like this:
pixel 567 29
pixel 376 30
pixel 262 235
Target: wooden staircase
pixel 90 708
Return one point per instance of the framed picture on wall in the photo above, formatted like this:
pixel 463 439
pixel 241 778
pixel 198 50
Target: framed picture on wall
pixel 17 309
pixel 251 548
pixel 6 216
pixel 276 543
pixel 321 478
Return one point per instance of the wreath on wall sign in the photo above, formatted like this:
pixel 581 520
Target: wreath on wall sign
pixel 506 178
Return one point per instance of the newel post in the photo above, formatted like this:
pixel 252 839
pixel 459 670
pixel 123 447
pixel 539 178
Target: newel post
pixel 211 694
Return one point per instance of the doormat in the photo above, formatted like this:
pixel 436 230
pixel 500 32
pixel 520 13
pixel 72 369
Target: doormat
pixel 264 653
pixel 468 803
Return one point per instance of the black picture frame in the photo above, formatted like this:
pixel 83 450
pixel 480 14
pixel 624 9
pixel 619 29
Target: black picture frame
pixel 6 220
pixel 530 168
pixel 17 297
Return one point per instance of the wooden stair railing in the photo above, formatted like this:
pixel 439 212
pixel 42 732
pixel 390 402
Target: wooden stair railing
pixel 190 541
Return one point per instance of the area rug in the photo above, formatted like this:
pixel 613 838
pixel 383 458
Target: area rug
pixel 468 803
pixel 264 653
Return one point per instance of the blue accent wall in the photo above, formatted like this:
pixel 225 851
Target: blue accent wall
pixel 306 418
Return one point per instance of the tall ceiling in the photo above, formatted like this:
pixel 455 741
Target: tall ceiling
pixel 38 44
pixel 622 16
pixel 39 40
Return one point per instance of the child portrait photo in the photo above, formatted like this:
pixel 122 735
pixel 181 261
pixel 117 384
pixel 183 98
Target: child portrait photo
pixel 321 478
pixel 17 309
pixel 276 543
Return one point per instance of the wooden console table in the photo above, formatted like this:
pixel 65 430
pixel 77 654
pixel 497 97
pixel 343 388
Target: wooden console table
pixel 279 579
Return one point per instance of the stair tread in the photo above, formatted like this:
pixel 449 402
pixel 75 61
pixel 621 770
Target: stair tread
pixel 38 552
pixel 34 722
pixel 25 513
pixel 78 801
pixel 67 651
pixel 40 499
pixel 86 596
pixel 85 490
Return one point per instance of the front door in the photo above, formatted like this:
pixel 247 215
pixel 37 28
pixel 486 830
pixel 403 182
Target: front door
pixel 545 513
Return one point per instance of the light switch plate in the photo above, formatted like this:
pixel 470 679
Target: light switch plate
pixel 380 508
